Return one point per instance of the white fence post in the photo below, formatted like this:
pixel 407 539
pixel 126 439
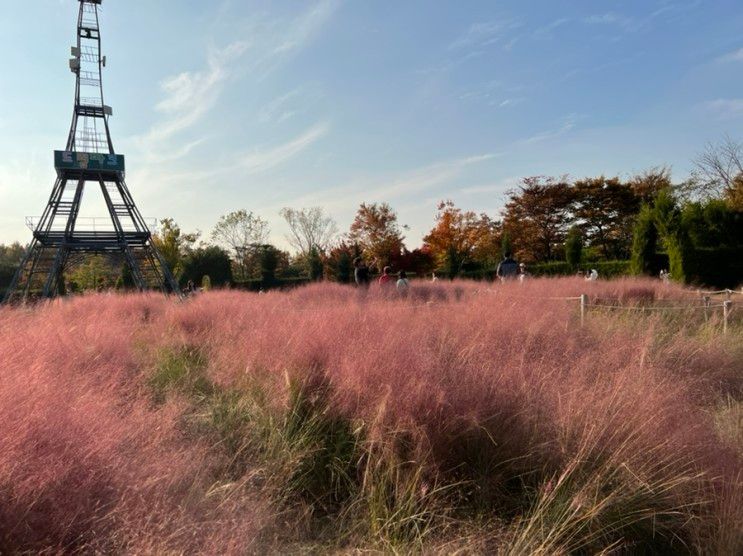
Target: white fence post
pixel 583 308
pixel 726 315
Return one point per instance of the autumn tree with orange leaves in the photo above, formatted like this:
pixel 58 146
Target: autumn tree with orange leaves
pixel 461 237
pixel 376 231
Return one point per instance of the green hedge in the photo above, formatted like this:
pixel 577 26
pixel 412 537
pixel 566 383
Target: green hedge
pixel 6 277
pixel 718 268
pixel 606 269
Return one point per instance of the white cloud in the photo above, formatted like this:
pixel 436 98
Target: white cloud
pixel 484 33
pixel 510 102
pixel 277 110
pixel 389 188
pixel 306 26
pixel 630 24
pixel 568 124
pixel 610 18
pixel 546 31
pixel 489 188
pixel 260 161
pixel 191 95
pixel 725 108
pixel 736 56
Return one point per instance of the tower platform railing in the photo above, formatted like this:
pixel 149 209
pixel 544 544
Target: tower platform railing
pixel 92 224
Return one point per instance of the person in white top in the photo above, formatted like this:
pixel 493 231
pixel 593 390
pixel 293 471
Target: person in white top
pixel 523 274
pixel 593 275
pixel 403 285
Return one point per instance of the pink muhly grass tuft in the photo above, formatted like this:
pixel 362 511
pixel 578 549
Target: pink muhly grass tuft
pixel 86 463
pixel 495 388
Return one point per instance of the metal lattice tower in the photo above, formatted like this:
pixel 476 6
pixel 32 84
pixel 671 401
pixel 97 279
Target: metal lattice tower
pixel 60 236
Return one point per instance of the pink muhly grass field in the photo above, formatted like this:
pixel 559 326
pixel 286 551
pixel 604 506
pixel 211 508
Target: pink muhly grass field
pixel 496 387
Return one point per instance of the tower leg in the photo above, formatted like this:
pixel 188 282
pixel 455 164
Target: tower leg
pixel 139 280
pixel 31 277
pixel 56 273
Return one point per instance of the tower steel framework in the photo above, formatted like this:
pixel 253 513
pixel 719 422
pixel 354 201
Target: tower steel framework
pixel 60 236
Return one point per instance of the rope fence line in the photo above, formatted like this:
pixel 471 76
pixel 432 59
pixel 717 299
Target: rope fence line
pixel 585 305
pixel 727 309
pixel 530 297
pixel 728 293
pixel 659 308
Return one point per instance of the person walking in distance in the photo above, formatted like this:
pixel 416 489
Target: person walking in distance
pixel 361 273
pixel 523 274
pixel 386 279
pixel 403 285
pixel 508 269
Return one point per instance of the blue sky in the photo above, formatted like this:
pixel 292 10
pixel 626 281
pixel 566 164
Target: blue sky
pixel 264 104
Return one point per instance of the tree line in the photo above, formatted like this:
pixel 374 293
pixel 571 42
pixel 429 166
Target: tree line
pixel 553 224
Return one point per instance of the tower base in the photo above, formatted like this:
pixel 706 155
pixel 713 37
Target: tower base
pixel 41 274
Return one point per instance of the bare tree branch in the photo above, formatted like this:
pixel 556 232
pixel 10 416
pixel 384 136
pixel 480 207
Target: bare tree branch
pixel 310 228
pixel 239 230
pixel 716 169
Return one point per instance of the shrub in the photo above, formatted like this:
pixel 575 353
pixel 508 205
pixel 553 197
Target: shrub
pixel 315 265
pixel 718 267
pixel 212 261
pixel 6 277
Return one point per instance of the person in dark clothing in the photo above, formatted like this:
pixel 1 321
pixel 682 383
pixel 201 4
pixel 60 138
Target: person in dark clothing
pixel 361 273
pixel 508 269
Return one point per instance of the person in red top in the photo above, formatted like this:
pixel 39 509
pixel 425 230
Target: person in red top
pixel 386 279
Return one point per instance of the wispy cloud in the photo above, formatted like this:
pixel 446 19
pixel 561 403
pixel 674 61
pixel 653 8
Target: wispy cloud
pixel 484 33
pixel 725 108
pixel 190 95
pixel 641 23
pixel 306 26
pixel 278 109
pixel 610 18
pixel 568 124
pixel 489 188
pixel 259 161
pixel 735 56
pixel 509 102
pixel 451 64
pixel 546 31
pixel 261 44
pixel 407 184
pixel 495 94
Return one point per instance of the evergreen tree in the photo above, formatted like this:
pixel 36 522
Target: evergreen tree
pixel 269 261
pixel 344 271
pixel 644 242
pixel 574 247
